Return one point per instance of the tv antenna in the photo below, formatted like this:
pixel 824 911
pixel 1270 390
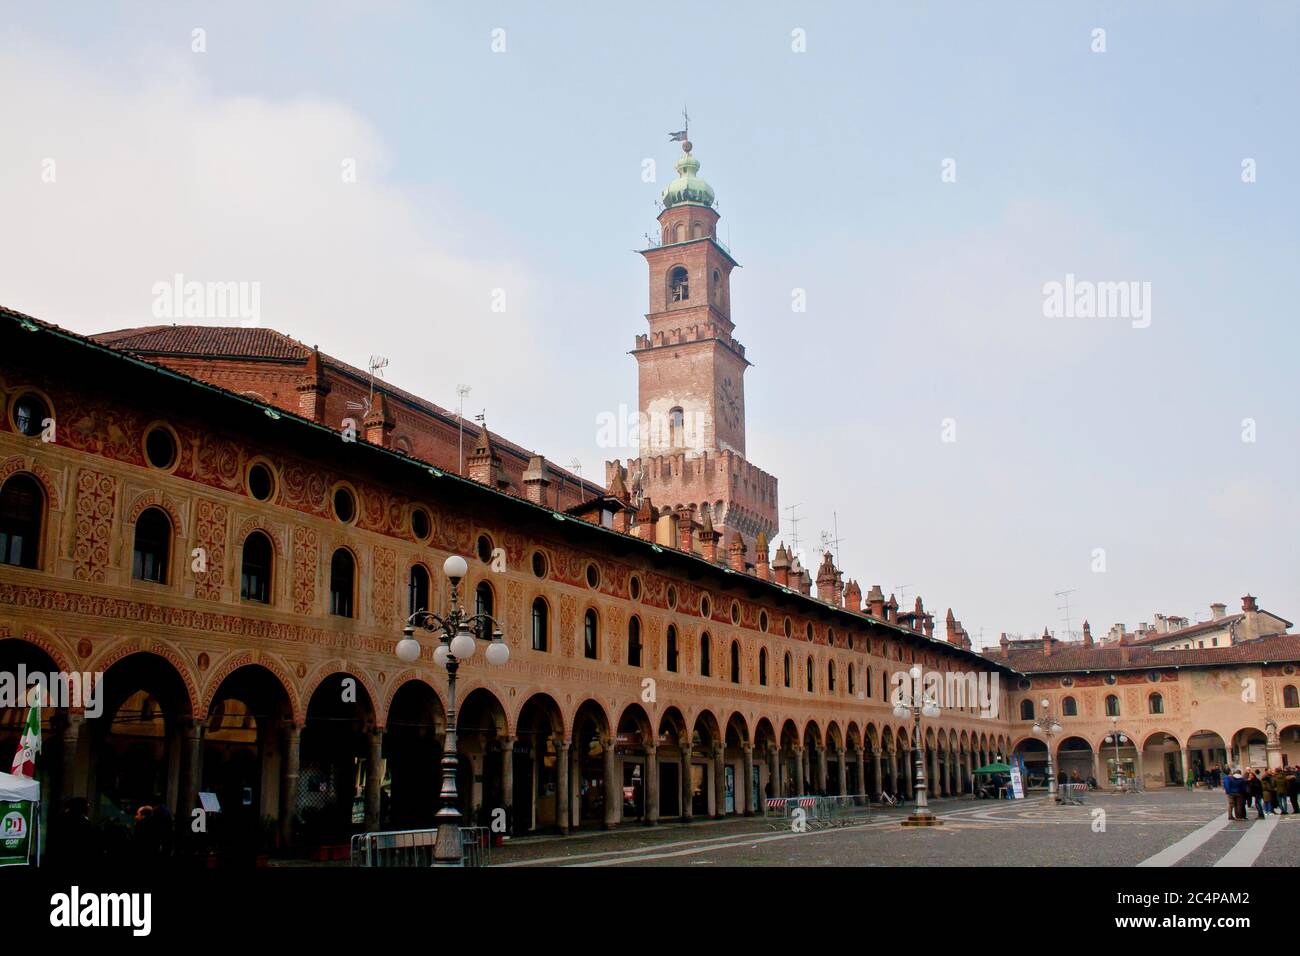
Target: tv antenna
pixel 1066 608
pixel 794 525
pixel 901 591
pixel 462 391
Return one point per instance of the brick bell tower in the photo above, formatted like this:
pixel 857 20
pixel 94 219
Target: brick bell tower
pixel 691 374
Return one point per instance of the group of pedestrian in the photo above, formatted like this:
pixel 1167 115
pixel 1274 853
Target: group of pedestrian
pixel 1268 791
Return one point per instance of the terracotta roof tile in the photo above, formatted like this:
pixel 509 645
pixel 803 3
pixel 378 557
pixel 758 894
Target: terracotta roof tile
pixel 1110 657
pixel 204 340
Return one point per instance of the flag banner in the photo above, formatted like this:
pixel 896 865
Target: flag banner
pixel 29 744
pixel 677 137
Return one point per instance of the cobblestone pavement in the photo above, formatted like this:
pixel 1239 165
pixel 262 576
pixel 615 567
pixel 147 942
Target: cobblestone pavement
pixel 1159 828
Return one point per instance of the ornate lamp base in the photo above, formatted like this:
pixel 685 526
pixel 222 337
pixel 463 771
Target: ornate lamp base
pixel 922 820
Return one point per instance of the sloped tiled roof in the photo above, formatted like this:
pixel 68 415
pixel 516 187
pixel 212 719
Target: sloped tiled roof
pixel 205 341
pixel 1203 627
pixel 1110 657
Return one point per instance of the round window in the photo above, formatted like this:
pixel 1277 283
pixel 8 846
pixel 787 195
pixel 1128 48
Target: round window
pixel 421 524
pixel 634 587
pixel 593 576
pixel 1024 683
pixel 706 607
pixel 672 598
pixel 762 621
pixel 261 482
pixel 160 447
pixel 539 564
pixel 484 548
pixel 345 505
pixel 1112 679
pixel 1067 681
pixel 29 414
pixel 735 612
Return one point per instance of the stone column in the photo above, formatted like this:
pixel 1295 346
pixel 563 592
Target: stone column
pixel 844 771
pixel 69 785
pixel 189 793
pixel 562 785
pixel 821 770
pixel 651 785
pixel 800 771
pixel 719 780
pixel 687 812
pixel 374 777
pixel 878 769
pixel 747 768
pixel 773 773
pixel 863 786
pixel 288 782
pixel 893 770
pixel 508 780
pixel 613 785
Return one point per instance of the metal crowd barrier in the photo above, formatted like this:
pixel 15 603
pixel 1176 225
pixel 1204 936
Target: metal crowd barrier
pixel 818 812
pixel 1071 793
pixel 414 848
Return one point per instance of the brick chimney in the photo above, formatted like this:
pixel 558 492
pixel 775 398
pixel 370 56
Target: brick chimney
pixel 1248 604
pixel 928 626
pixel 647 518
pixel 708 538
pixel 853 596
pixel 1047 643
pixel 536 480
pixel 379 423
pixel 312 388
pixel 781 566
pixel 1218 611
pixel 1087 634
pixel 826 579
pixel 761 566
pixel 891 610
pixel 1005 645
pixel 483 462
pixel 950 626
pixel 686 528
pixel 876 602
pixel 736 549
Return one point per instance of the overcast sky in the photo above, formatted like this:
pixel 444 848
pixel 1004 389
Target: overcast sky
pixel 127 157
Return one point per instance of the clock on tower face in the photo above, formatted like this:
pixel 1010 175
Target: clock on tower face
pixel 728 404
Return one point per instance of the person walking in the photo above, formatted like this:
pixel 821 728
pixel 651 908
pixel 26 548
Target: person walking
pixel 1268 792
pixel 1232 797
pixel 1295 790
pixel 1191 780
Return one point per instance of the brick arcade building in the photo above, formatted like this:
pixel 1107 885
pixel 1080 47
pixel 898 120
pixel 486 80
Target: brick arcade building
pixel 179 513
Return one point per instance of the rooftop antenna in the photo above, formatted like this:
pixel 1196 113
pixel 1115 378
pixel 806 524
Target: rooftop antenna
pixel 794 523
pixel 377 363
pixel 638 493
pixel 462 391
pixel 575 464
pixel 901 590
pixel 1066 608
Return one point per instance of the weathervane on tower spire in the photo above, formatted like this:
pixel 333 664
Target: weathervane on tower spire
pixel 683 135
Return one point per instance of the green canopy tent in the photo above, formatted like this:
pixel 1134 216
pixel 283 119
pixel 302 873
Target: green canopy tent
pixel 993 768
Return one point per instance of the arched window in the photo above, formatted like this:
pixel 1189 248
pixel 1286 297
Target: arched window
pixel 634 642
pixel 417 589
pixel 590 635
pixel 762 666
pixel 679 231
pixel 868 683
pixel 541 625
pixel 830 677
pixel 1112 705
pixel 1026 710
pixel 850 680
pixel 697 230
pixel 153 531
pixel 735 662
pixel 787 670
pixel 22 510
pixel 1290 697
pixel 255 568
pixel 342 575
pixel 808 671
pixel 1069 708
pixel 484 599
pixel 672 649
pixel 676 427
pixel 679 287
pixel 1156 704
pixel 704 654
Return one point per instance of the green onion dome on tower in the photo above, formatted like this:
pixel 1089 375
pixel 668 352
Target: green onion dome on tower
pixel 688 189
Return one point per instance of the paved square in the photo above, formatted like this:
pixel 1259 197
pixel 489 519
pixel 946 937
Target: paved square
pixel 1160 828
